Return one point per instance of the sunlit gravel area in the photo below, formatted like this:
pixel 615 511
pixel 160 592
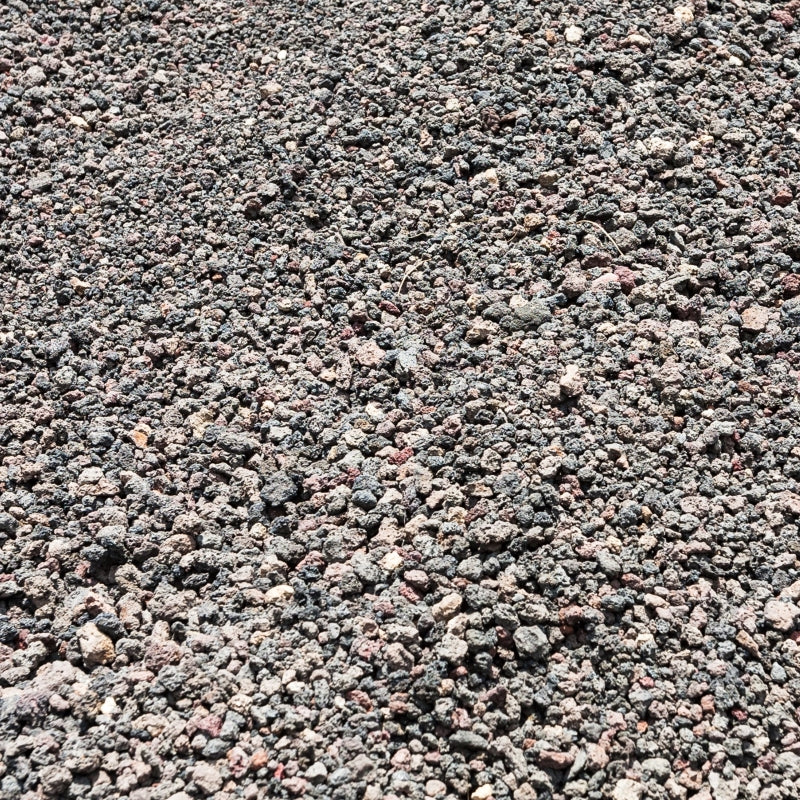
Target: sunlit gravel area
pixel 399 400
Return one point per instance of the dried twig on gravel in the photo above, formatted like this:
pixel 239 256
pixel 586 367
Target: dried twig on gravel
pixel 603 231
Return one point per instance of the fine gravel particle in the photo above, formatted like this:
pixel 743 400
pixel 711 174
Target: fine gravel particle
pixel 207 778
pixel 531 642
pixel 781 615
pixel 399 400
pixel 96 647
pixel 627 789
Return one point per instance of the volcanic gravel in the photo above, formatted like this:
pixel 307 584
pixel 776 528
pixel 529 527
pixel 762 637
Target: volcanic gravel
pixel 399 400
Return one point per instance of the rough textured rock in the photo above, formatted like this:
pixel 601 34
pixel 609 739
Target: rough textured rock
pixel 96 647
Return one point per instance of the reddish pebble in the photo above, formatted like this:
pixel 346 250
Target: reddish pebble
pixel 389 307
pixel 410 594
pixel 296 786
pixel 707 704
pixel 791 285
pixel 782 197
pixel 783 16
pixel 366 648
pixel 361 698
pixel 626 278
pixel 210 724
pixel 554 759
pixel 417 578
pixel 238 762
pixel 401 456
pixel 571 615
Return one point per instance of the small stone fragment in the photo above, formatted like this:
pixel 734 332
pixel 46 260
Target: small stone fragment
pixel 279 594
pixel 392 561
pixel 96 647
pixel 781 615
pixel 531 642
pixel 207 778
pixel 554 759
pixel 452 648
pixel 573 34
pixel 369 354
pixel 571 383
pixel 270 88
pixel 35 76
pixel 447 607
pixel 627 789
pixel 755 319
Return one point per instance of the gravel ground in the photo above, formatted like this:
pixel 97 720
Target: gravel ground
pixel 398 400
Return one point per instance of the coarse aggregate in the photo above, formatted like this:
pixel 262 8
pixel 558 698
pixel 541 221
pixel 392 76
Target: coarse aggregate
pixel 399 400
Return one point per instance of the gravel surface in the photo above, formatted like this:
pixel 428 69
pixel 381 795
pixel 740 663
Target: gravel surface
pixel 399 400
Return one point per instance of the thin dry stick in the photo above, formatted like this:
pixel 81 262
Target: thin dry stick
pixel 603 231
pixel 408 272
pixel 406 276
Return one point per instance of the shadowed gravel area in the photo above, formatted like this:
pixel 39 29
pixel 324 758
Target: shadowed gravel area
pixel 399 400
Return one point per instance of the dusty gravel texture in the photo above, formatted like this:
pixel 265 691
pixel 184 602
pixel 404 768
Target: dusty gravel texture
pixel 399 400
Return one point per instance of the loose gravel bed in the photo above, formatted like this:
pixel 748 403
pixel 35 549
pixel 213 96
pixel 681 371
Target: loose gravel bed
pixel 399 400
